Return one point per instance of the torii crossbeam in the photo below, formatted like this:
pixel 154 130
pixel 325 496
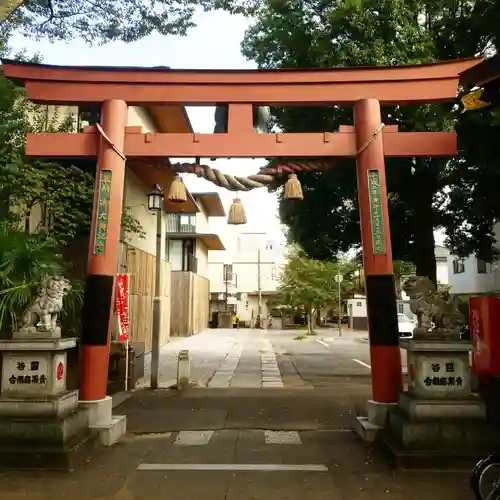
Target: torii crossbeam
pixel 366 89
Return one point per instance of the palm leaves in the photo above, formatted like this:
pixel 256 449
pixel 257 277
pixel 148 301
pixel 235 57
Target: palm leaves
pixel 25 260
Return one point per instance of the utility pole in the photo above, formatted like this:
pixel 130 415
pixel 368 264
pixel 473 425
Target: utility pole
pixel 226 281
pixel 338 280
pixel 258 284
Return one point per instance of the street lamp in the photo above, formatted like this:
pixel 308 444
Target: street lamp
pixel 155 202
pixel 154 199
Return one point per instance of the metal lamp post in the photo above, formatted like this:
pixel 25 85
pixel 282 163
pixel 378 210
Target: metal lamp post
pixel 155 201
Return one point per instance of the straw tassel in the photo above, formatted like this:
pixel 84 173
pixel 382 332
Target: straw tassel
pixel 293 189
pixel 237 213
pixel 177 192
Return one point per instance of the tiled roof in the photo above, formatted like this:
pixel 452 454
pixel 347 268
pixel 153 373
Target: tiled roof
pixel 441 252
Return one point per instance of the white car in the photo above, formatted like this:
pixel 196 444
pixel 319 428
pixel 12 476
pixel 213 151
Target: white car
pixel 405 325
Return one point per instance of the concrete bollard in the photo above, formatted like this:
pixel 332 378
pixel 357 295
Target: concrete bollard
pixel 183 370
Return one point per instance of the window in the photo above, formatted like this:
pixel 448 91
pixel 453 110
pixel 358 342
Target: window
pixel 458 266
pixel 359 304
pixel 481 267
pixel 401 308
pixel 180 223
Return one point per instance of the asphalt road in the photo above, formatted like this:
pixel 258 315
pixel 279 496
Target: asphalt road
pixel 273 358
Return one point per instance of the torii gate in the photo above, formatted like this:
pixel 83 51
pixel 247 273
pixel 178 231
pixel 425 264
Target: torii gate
pixel 366 89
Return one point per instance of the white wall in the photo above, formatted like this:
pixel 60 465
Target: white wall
pixel 136 200
pixel 358 309
pixel 244 257
pixel 442 272
pixel 202 224
pixel 138 116
pixel 202 257
pixel 470 281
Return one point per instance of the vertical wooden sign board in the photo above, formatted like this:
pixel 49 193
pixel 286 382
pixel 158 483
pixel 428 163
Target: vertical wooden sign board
pixel 101 231
pixel 376 219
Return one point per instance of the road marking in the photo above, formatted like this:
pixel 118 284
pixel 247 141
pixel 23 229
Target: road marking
pixel 237 467
pixel 362 363
pixel 321 342
pixel 193 438
pixel 282 437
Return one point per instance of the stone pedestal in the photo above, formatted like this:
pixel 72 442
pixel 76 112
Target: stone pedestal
pixel 438 417
pixel 41 424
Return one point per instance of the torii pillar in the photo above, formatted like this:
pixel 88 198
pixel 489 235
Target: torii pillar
pixel 385 355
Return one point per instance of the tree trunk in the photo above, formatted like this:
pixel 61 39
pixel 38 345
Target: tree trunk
pixel 424 256
pixel 397 285
pixel 309 320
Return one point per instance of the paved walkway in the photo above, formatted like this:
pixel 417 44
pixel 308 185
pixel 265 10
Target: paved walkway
pixel 239 444
pixel 228 358
pixel 270 417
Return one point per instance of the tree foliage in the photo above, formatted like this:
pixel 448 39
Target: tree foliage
pixel 109 20
pixel 63 195
pixel 425 194
pixel 309 285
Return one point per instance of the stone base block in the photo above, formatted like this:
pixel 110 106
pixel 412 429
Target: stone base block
pixel 100 414
pixel 377 412
pixel 67 457
pixel 366 430
pixel 417 409
pixel 111 433
pixel 43 431
pixel 430 458
pixel 50 406
pixel 30 332
pixel 434 433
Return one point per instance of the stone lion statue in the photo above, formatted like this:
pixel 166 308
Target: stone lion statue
pixel 437 317
pixel 47 305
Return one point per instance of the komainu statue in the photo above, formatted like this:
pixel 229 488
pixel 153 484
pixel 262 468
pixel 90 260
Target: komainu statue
pixel 41 315
pixel 437 318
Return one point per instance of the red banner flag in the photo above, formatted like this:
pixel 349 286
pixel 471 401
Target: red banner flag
pixel 122 305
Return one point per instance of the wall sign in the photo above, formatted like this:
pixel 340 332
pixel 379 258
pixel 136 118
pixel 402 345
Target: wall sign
pixel 101 229
pixel 26 371
pixel 376 219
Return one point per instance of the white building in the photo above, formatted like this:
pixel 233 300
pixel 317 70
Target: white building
pixel 254 264
pixel 442 271
pixel 472 276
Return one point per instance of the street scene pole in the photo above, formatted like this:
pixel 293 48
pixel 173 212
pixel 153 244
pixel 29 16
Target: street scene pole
pixel 259 285
pixel 155 352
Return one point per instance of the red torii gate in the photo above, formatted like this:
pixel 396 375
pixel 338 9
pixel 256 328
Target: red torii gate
pixel 114 89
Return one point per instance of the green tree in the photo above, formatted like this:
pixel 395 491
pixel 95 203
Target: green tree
pixel 64 191
pixel 422 194
pixel 308 285
pixel 108 20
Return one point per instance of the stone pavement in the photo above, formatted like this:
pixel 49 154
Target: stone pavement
pixel 239 444
pixel 228 358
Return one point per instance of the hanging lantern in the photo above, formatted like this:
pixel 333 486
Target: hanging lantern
pixel 177 191
pixel 237 214
pixel 293 189
pixel 154 199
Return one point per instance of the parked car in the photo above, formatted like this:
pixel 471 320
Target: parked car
pixel 405 325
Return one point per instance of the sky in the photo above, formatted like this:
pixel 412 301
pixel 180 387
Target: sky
pixel 203 48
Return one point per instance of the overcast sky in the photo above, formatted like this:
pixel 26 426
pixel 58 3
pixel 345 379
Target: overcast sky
pixel 214 44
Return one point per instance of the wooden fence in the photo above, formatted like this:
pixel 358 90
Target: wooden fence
pixel 190 299
pixel 141 268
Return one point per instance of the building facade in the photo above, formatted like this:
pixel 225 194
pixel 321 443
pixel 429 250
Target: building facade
pixel 247 275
